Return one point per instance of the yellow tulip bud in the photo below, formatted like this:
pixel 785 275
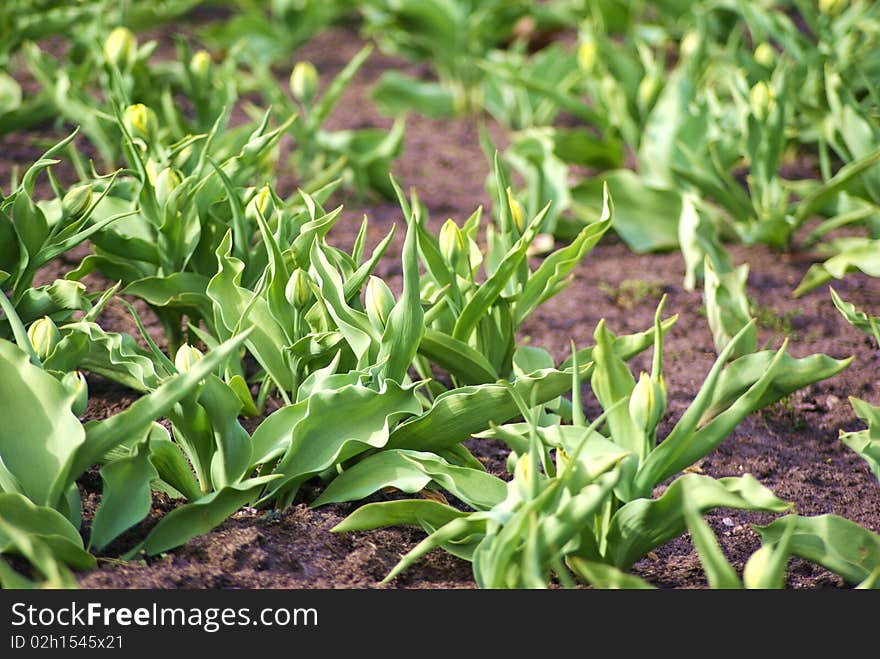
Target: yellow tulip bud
pixel 44 336
pixel 76 384
pixel 10 93
pixel 649 87
pixel 647 403
pixel 516 210
pixel 451 242
pixel 831 7
pixel 756 568
pixel 563 459
pixel 200 65
pixel 298 292
pixel 183 157
pixel 77 201
pixel 153 170
pixel 120 48
pixel 762 100
pixel 690 43
pixel 379 301
pixel 262 202
pixel 304 82
pixel 186 358
pixel 524 477
pixel 141 122
pixel 765 55
pixel 164 184
pixel 586 55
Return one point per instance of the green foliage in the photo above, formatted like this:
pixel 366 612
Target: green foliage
pixel 33 233
pixel 472 324
pixel 266 32
pixel 363 157
pixel 451 35
pixel 858 319
pixel 765 569
pixel 39 474
pixel 832 541
pixel 583 494
pixel 698 134
pixel 853 255
pixel 728 308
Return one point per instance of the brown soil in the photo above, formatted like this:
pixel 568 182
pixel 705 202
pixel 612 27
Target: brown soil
pixel 792 447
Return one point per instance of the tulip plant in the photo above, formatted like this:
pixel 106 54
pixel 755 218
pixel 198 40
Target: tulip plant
pixel 33 233
pixel 727 123
pixel 363 157
pixel 40 504
pixel 471 324
pixel 82 23
pixel 583 497
pixel 267 32
pixel 125 73
pixel 452 36
pixel 859 319
pixel 178 211
pixel 326 348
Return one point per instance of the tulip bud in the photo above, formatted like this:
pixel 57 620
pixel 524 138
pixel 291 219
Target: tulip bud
pixel 765 55
pixel 120 48
pixel 379 302
pixel 612 92
pixel 257 145
pixel 76 384
pixel 524 477
pixel 77 201
pixel 164 184
pixel 261 201
pixel 587 55
pixel 516 211
pixel 304 82
pixel 757 568
pixel 762 100
pixel 200 65
pixel 830 7
pixel 647 403
pixel 141 122
pixel 649 87
pixel 451 242
pixel 298 292
pixel 186 358
pixel 689 44
pixel 44 336
pixel 563 459
pixel 182 158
